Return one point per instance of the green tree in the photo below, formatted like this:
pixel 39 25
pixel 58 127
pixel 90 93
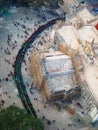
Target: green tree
pixel 54 3
pixel 39 3
pixel 36 3
pixel 14 118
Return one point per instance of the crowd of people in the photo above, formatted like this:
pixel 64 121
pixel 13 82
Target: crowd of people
pixel 13 45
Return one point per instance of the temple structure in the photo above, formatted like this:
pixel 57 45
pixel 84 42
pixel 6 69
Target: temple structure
pixel 58 79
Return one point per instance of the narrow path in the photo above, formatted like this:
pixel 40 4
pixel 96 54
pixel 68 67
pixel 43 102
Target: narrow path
pixel 18 64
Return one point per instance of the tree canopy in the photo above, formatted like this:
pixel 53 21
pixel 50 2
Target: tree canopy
pixel 35 3
pixel 14 118
pixel 51 3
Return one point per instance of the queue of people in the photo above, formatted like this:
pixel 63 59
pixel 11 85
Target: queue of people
pixel 12 45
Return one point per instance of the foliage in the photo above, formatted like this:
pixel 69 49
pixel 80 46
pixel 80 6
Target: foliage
pixel 51 3
pixel 14 118
pixel 35 3
pixel 4 5
pixel 38 3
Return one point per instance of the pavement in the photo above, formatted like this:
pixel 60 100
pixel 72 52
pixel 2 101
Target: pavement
pixel 62 118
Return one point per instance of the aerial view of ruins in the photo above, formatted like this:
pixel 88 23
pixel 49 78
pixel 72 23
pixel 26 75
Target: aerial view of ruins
pixel 48 64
